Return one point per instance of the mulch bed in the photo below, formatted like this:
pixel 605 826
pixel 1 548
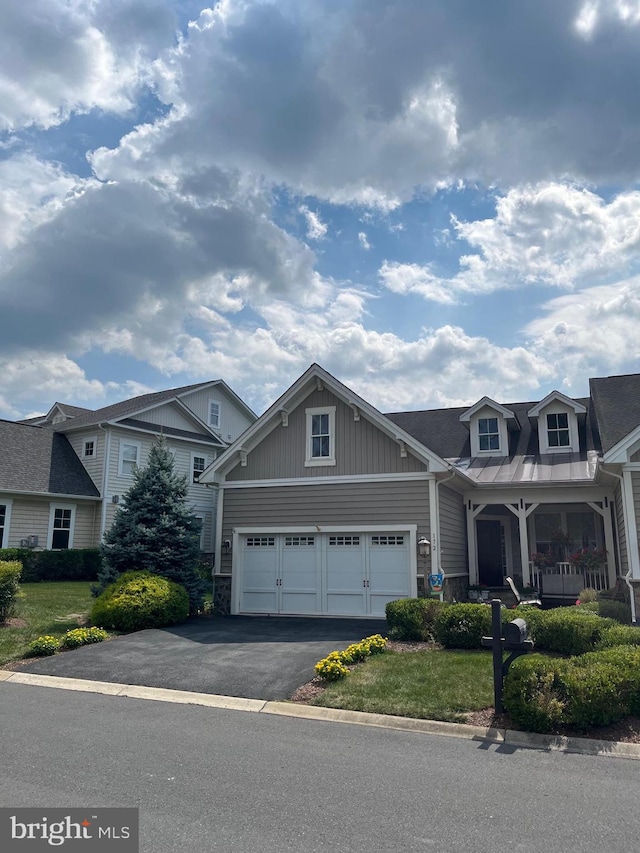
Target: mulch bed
pixel 625 731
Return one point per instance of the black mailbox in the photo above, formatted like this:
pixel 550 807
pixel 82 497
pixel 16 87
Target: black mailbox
pixel 515 632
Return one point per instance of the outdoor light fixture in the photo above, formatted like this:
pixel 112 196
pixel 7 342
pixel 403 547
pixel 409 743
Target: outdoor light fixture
pixel 424 547
pixel 226 546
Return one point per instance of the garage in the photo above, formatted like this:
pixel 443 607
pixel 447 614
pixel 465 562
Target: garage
pixel 322 573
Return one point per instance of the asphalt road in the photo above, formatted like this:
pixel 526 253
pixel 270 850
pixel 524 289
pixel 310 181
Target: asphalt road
pixel 216 780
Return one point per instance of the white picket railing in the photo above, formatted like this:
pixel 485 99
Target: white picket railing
pixel 565 579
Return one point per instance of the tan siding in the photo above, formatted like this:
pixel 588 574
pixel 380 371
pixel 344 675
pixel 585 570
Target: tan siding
pixel 453 532
pixel 30 517
pixel 356 504
pixel 233 422
pixel 361 448
pixel 93 465
pixel 618 520
pixel 83 534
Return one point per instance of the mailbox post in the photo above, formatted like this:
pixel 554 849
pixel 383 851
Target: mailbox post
pixel 515 640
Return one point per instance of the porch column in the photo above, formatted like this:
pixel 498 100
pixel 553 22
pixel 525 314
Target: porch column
pixel 473 511
pixel 522 511
pixel 604 512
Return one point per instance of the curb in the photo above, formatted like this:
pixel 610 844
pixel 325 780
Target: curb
pixel 500 737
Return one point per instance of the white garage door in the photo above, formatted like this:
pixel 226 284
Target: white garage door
pixel 342 574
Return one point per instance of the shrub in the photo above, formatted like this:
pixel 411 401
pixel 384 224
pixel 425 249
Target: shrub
pixel 9 587
pixel 77 637
pixel 46 645
pixel 617 610
pixel 412 618
pixel 567 630
pixel 462 626
pixel 534 692
pixel 354 653
pixel 587 595
pixel 375 644
pixel 619 635
pixel 140 600
pixel 332 667
pixel 75 564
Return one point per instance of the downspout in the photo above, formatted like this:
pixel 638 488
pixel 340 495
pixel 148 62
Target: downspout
pixel 627 577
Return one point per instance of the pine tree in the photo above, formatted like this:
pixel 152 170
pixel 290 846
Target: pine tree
pixel 154 530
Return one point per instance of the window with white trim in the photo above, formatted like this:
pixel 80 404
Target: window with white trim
pixel 214 414
pixel 343 541
pixel 61 522
pixel 297 541
pixel 387 540
pixel 129 457
pixel 261 541
pixel 488 434
pixel 90 447
pixel 198 464
pixel 3 523
pixel 558 430
pixel 321 436
pixel 200 523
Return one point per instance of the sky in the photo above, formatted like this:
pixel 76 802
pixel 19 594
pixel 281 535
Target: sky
pixel 435 201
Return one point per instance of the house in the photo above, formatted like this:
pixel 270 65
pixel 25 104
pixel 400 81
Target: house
pixel 328 507
pixel 62 475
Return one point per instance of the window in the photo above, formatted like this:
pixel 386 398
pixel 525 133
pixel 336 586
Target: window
pixel 343 541
pixel 61 522
pixel 200 528
pixel 3 523
pixel 214 414
pixel 299 541
pixel 558 430
pixel 261 542
pixel 387 540
pixel 129 457
pixel 90 448
pixel 321 436
pixel 488 434
pixel 560 534
pixel 198 464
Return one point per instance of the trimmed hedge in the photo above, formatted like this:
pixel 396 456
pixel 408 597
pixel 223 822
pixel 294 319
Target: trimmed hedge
pixel 412 618
pixel 74 564
pixel 594 689
pixel 9 587
pixel 140 600
pixel 462 626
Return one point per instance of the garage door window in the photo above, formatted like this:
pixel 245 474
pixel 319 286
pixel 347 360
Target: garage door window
pixel 261 542
pixel 341 541
pixel 297 541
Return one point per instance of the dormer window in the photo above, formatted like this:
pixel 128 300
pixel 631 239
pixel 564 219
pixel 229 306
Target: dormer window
pixel 558 430
pixel 488 434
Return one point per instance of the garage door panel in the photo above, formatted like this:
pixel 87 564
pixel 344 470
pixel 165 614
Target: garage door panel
pixel 346 605
pixel 260 573
pixel 301 575
pixel 345 575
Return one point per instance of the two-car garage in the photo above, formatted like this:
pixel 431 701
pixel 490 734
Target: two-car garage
pixel 322 572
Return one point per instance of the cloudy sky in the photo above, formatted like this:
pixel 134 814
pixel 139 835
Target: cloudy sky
pixel 434 200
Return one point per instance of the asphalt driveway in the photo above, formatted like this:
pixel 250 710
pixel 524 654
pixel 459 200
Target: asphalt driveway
pixel 253 657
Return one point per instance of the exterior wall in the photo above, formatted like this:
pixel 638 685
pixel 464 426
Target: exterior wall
pixel 168 415
pixel 94 465
pixel 635 480
pixel 453 532
pixel 357 504
pixel 30 517
pixel 361 448
pixel 552 408
pixel 489 412
pixel 233 422
pixel 618 519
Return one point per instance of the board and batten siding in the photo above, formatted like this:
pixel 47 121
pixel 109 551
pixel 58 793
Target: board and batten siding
pixel 453 532
pixel 94 465
pixel 348 504
pixel 360 448
pixel 620 530
pixel 233 422
pixel 30 517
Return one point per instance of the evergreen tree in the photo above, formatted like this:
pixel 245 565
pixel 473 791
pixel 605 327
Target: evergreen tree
pixel 154 530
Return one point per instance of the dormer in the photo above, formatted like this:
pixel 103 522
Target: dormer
pixel 556 418
pixel 489 423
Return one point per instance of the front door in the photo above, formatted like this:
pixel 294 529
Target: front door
pixel 489 537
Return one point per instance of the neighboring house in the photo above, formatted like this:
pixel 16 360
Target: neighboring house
pixel 62 475
pixel 328 507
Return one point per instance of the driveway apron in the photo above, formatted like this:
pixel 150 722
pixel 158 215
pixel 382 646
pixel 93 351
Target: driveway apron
pixel 254 657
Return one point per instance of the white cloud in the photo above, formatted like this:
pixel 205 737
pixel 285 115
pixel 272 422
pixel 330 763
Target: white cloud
pixel 316 228
pixel 363 240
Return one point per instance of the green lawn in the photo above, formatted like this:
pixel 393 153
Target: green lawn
pixel 434 685
pixel 43 607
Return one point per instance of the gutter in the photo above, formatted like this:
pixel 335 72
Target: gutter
pixel 627 577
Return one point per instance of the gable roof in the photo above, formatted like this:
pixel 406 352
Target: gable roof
pixel 37 459
pixel 577 407
pixel 294 396
pixel 616 402
pixel 506 413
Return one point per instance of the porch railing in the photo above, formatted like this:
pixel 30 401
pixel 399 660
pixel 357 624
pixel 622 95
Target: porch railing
pixel 565 579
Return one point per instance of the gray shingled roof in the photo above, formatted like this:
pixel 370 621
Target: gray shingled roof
pixel 181 433
pixel 616 402
pixel 37 459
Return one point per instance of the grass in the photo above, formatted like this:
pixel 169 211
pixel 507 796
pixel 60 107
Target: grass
pixel 43 608
pixel 434 685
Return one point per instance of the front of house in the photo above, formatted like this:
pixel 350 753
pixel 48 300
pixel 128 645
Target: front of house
pixel 328 507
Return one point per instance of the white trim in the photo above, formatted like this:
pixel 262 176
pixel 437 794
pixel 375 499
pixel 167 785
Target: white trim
pixel 123 442
pixel 318 461
pixel 356 527
pixel 85 441
pixel 578 408
pixel 572 429
pixel 214 441
pixel 507 414
pixel 217 545
pixel 53 495
pixel 203 456
pixel 212 401
pixel 325 481
pixel 629 514
pixel 4 535
pixel 554 494
pixel 202 519
pixel 503 436
pixel 631 466
pixel 53 506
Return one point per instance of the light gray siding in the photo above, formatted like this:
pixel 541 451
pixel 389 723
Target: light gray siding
pixel 168 415
pixel 30 517
pixel 635 479
pixel 618 518
pixel 360 448
pixel 453 531
pixel 94 465
pixel 353 504
pixel 233 422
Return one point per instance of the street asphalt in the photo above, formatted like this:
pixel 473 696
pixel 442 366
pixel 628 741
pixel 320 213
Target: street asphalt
pixel 253 657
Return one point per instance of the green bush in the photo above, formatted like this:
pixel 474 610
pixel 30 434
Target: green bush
pixel 140 600
pixel 534 692
pixel 75 564
pixel 588 595
pixel 9 587
pixel 412 618
pixel 567 630
pixel 619 635
pixel 462 626
pixel 617 610
pixel 77 637
pixel 46 645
